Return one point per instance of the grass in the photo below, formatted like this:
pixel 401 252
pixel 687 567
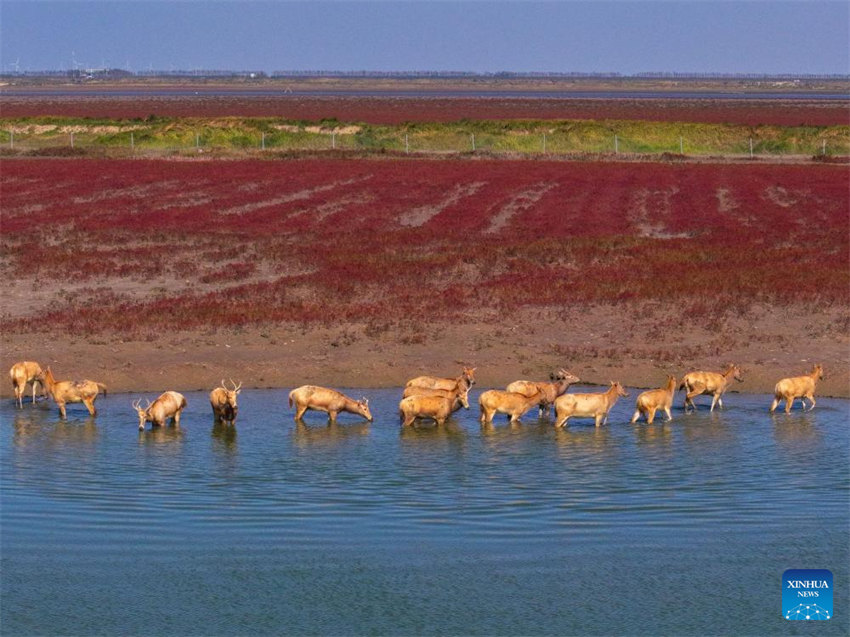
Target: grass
pixel 531 137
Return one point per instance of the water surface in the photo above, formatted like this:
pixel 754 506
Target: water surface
pixel 272 528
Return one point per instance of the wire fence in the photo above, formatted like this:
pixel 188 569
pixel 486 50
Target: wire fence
pixel 829 143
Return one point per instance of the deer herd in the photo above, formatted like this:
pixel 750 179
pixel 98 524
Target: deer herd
pixel 431 398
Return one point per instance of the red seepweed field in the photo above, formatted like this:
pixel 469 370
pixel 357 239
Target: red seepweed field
pixel 247 242
pixel 144 249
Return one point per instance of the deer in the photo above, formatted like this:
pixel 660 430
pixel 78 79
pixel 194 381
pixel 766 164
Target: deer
pixel 22 374
pixel 654 399
pixel 712 383
pixel 801 387
pixel 72 391
pixel 558 383
pixel 327 400
pixel 467 379
pixel 223 402
pixel 513 404
pixel 435 404
pixel 592 405
pixel 168 405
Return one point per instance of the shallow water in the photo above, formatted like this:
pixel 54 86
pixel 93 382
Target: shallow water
pixel 273 528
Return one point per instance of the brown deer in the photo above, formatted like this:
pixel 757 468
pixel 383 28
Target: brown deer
pixel 651 401
pixel 558 383
pixel 327 400
pixel 223 402
pixel 168 405
pixel 801 387
pixel 504 402
pixel 467 379
pixel 712 383
pixel 72 391
pixel 595 405
pixel 435 404
pixel 22 374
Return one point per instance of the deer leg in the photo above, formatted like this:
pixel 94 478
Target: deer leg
pixel 635 416
pixel 669 415
pixel 332 417
pixel 90 406
pixel 62 410
pixel 812 400
pixel 175 420
pixel 774 405
pixel 714 401
pixel 651 416
pixel 299 412
pixel 789 402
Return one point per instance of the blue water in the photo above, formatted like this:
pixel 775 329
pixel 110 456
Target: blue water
pixel 363 529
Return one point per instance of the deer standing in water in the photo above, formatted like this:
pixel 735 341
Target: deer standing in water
pixel 435 404
pixel 711 383
pixel 328 400
pixel 168 405
pixel 595 405
pixel 72 391
pixel 466 379
pixel 558 383
pixel 223 402
pixel 505 402
pixel 22 374
pixel 801 387
pixel 651 401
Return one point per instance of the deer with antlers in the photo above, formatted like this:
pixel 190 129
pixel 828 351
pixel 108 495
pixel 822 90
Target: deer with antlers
pixel 558 383
pixel 168 405
pixel 223 402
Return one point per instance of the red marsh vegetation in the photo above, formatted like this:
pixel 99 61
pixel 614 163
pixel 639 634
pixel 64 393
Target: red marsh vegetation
pixel 137 247
pixel 397 110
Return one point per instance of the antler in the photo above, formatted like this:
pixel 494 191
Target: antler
pixel 137 403
pixel 235 386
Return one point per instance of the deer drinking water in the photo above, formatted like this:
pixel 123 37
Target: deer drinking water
pixel 72 391
pixel 22 374
pixel 711 383
pixel 596 405
pixel 168 405
pixel 327 400
pixel 651 401
pixel 802 387
pixel 558 383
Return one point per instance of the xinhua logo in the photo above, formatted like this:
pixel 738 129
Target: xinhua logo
pixel 807 594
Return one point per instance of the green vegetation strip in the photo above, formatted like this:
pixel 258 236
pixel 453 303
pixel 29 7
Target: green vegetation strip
pixel 531 137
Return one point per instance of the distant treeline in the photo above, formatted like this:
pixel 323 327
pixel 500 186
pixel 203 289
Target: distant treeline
pixel 84 74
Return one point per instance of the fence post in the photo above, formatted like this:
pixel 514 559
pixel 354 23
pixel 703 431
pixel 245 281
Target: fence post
pixel 751 147
pixel 681 146
pixel 11 139
pixel 197 140
pixel 132 142
pixel 544 143
pixel 473 142
pixel 823 149
pixel 72 140
pixel 263 141
pixel 406 145
pixel 333 140
pixel 616 145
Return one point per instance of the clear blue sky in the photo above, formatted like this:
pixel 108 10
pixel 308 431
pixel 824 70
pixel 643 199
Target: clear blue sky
pixel 626 37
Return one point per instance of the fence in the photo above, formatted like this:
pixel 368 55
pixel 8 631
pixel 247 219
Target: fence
pixel 704 141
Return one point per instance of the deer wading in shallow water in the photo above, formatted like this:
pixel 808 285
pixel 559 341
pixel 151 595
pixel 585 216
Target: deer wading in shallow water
pixel 596 405
pixel 651 401
pixel 434 404
pixel 802 387
pixel 710 383
pixel 72 391
pixel 22 374
pixel 466 379
pixel 168 405
pixel 505 402
pixel 223 402
pixel 328 400
pixel 558 383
